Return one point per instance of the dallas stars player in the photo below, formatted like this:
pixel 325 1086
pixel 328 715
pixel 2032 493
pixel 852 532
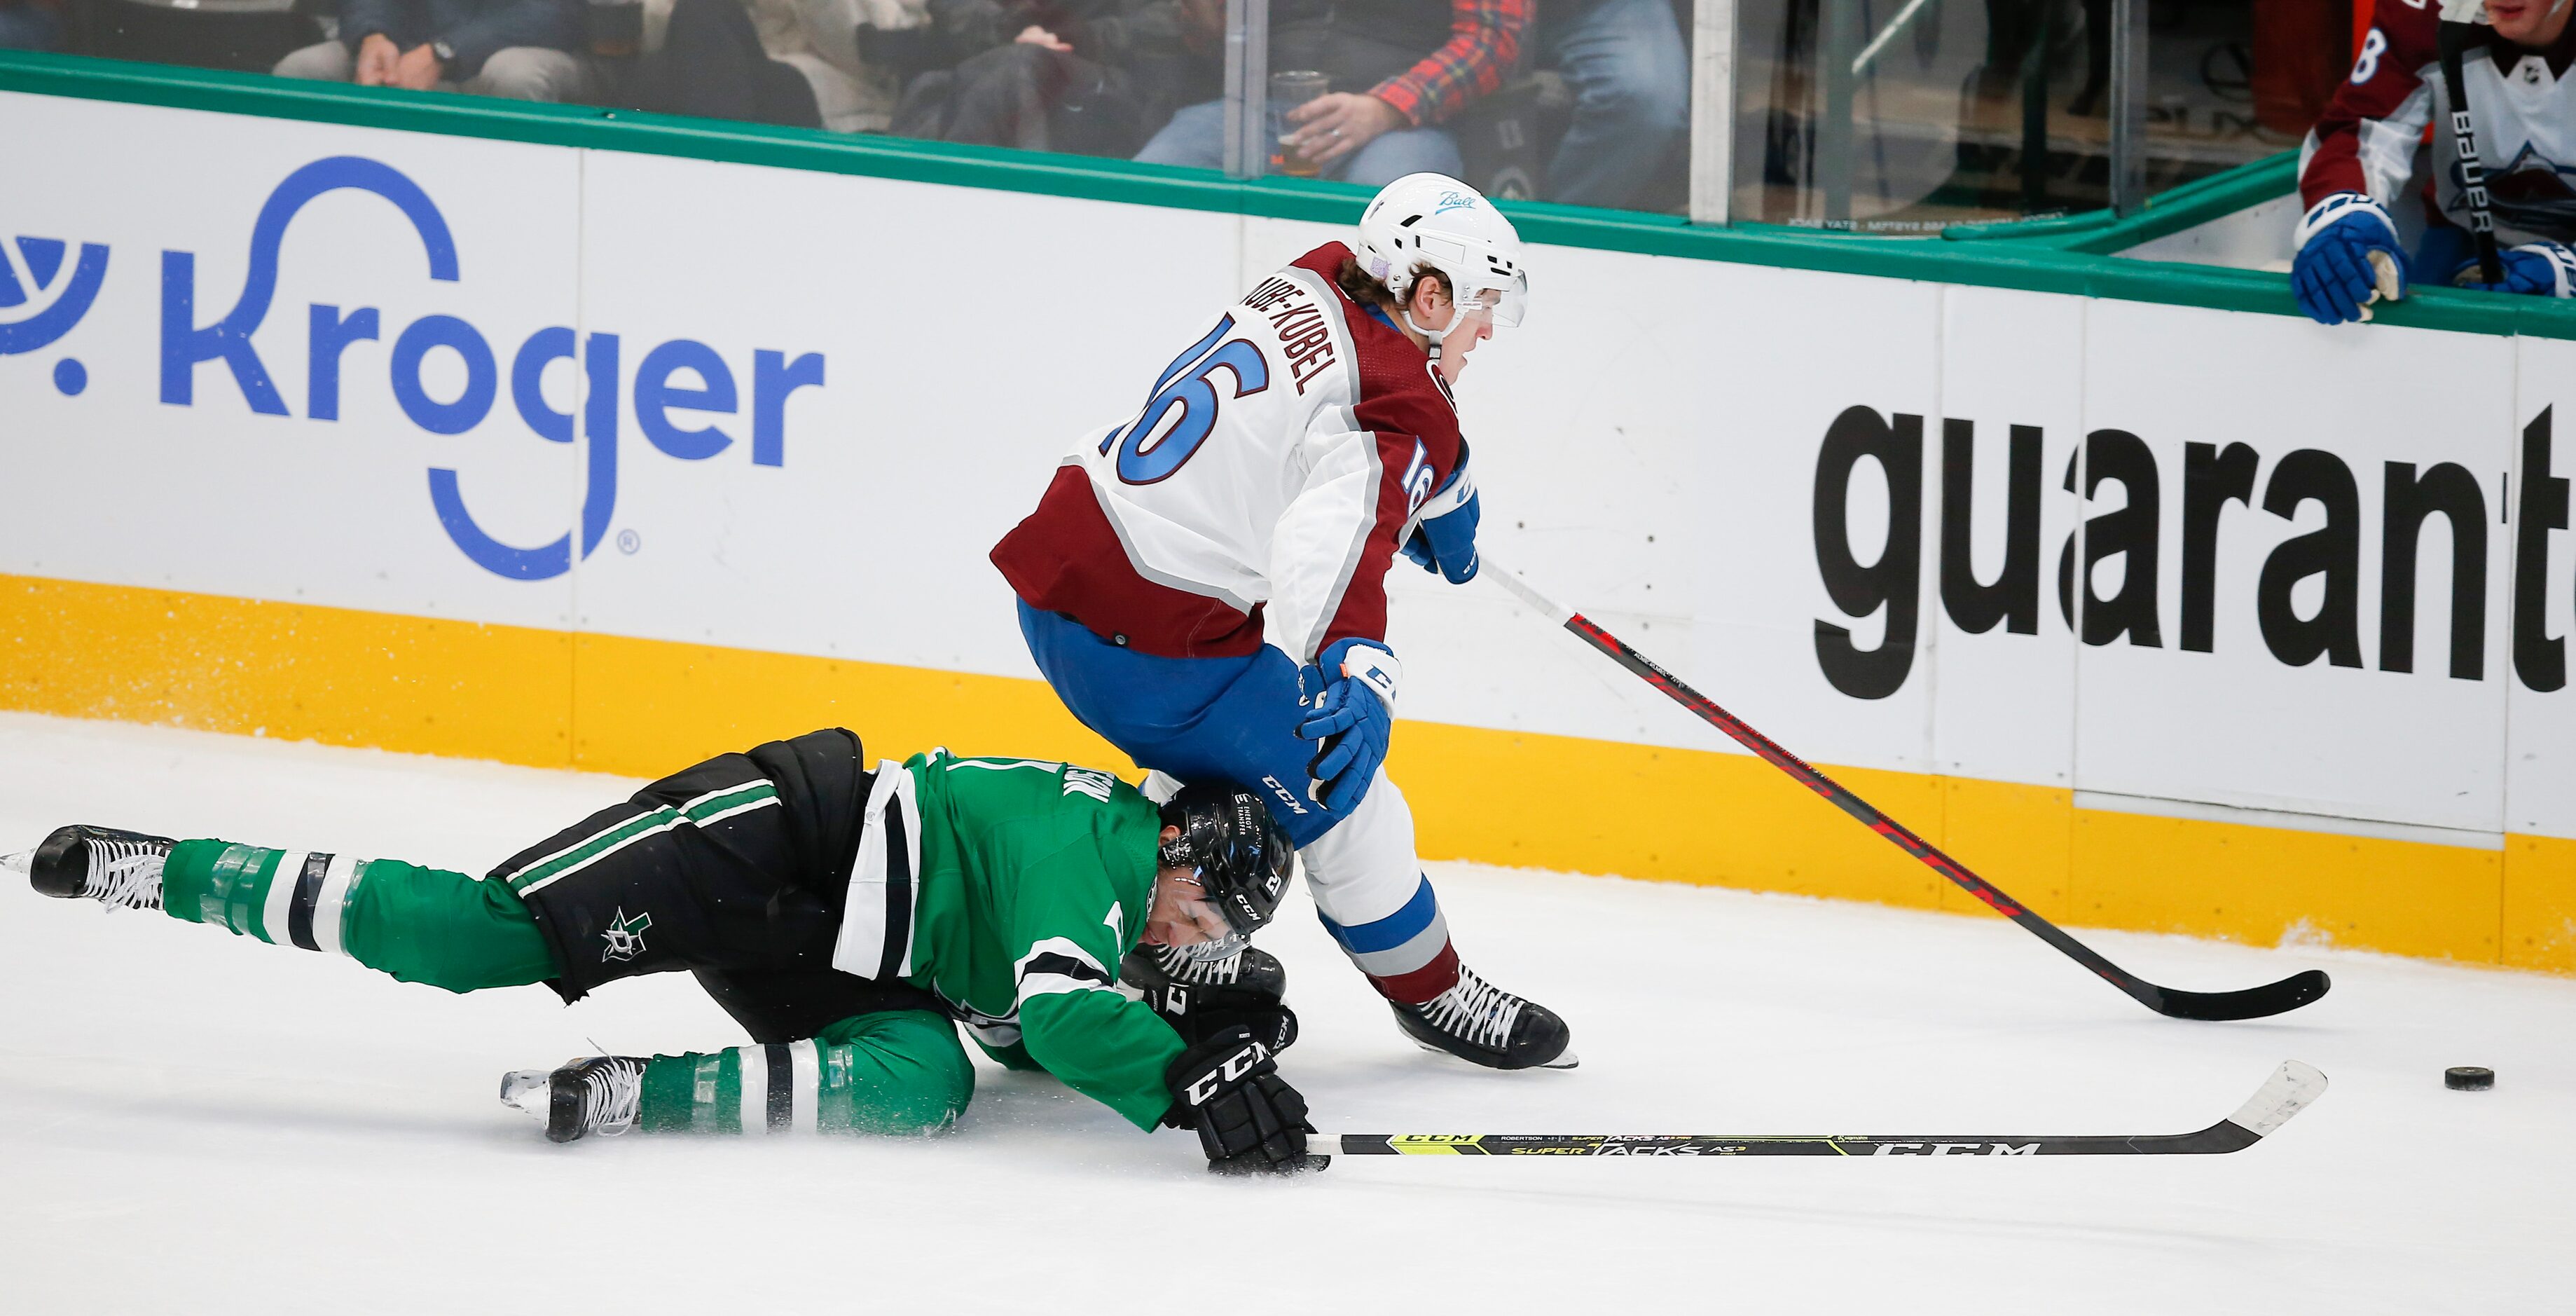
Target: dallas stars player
pixel 843 916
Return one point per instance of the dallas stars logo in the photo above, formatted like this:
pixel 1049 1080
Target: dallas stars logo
pixel 625 936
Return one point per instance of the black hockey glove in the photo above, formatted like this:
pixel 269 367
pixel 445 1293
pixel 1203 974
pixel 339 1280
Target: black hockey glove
pixel 1248 1119
pixel 1199 1011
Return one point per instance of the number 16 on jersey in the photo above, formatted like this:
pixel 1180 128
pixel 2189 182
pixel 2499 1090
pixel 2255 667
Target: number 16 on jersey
pixel 1148 450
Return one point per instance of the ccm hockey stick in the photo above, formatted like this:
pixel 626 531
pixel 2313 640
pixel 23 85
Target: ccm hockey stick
pixel 2290 1090
pixel 2252 1003
pixel 2459 27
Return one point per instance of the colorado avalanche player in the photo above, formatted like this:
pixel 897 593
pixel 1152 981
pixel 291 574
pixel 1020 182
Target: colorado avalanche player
pixel 1204 582
pixel 2359 158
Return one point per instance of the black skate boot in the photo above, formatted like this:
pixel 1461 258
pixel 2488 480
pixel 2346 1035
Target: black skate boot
pixel 121 870
pixel 1247 969
pixel 1478 1021
pixel 590 1094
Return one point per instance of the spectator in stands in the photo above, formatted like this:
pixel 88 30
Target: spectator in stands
pixel 529 50
pixel 791 62
pixel 1630 71
pixel 2361 157
pixel 1095 77
pixel 1421 61
pixel 31 25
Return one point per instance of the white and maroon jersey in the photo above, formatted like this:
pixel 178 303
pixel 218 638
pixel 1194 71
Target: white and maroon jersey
pixel 1270 470
pixel 2525 109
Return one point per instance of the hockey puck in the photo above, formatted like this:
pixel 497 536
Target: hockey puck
pixel 2468 1078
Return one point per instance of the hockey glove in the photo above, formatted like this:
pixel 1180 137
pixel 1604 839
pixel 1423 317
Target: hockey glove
pixel 2535 269
pixel 2334 274
pixel 1444 536
pixel 1352 719
pixel 1198 1011
pixel 1248 1119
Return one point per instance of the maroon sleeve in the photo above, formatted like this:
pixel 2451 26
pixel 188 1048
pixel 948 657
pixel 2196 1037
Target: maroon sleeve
pixel 2371 112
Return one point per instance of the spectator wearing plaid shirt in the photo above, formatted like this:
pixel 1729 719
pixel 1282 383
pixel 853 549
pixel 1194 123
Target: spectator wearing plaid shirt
pixel 1421 62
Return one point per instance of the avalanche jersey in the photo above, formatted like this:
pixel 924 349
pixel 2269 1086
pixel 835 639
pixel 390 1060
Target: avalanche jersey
pixel 1268 475
pixel 2525 109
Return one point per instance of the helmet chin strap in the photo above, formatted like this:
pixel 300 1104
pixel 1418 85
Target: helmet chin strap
pixel 1406 311
pixel 1435 337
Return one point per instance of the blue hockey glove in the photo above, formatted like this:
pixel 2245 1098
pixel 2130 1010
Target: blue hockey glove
pixel 1444 536
pixel 2333 275
pixel 1353 717
pixel 2535 269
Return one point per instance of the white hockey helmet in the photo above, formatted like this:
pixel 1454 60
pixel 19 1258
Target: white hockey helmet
pixel 1435 220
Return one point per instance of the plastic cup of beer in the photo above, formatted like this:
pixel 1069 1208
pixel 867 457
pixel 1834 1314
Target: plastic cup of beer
pixel 1288 91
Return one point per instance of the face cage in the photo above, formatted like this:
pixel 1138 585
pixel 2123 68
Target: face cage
pixel 1232 940
pixel 1210 952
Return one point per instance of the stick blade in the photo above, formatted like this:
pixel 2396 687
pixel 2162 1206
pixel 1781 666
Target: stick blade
pixel 2252 1003
pixel 2292 1088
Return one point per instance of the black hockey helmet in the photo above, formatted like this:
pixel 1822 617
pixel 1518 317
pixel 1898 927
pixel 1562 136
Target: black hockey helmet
pixel 1242 854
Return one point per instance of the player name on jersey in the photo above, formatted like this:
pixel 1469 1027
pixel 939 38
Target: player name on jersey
pixel 1304 332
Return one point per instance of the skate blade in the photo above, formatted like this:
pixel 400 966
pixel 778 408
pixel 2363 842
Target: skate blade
pixel 525 1090
pixel 1565 1059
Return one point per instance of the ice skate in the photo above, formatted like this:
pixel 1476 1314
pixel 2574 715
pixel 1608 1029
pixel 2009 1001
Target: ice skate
pixel 590 1094
pixel 1201 997
pixel 1477 1021
pixel 1249 969
pixel 118 869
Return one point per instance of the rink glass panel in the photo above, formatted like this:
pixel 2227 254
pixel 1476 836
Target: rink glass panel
pixel 1506 139
pixel 1878 116
pixel 1523 141
pixel 1906 116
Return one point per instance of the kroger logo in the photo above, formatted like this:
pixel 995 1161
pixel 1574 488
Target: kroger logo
pixel 42 296
pixel 659 394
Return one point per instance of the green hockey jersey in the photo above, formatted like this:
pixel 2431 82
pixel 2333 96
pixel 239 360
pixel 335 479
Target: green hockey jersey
pixel 1011 888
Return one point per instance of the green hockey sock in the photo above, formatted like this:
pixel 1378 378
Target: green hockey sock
pixel 900 1072
pixel 418 924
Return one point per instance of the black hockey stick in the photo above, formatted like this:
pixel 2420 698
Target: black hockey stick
pixel 2455 31
pixel 2290 1090
pixel 2253 1003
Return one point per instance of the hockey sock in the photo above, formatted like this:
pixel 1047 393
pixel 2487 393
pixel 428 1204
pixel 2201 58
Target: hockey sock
pixel 418 924
pixel 1406 954
pixel 900 1072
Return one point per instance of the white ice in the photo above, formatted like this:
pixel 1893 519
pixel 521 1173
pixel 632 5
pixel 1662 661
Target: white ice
pixel 195 1122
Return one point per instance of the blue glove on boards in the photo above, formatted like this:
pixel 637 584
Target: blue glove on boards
pixel 2534 269
pixel 2333 275
pixel 1444 537
pixel 1353 717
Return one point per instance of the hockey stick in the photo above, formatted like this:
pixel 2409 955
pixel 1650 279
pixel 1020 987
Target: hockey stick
pixel 2253 1003
pixel 2291 1089
pixel 2459 27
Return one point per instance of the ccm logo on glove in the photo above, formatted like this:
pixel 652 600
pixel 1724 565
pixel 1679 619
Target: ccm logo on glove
pixel 1227 1073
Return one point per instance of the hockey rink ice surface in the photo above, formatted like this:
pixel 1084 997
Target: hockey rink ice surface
pixel 196 1122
